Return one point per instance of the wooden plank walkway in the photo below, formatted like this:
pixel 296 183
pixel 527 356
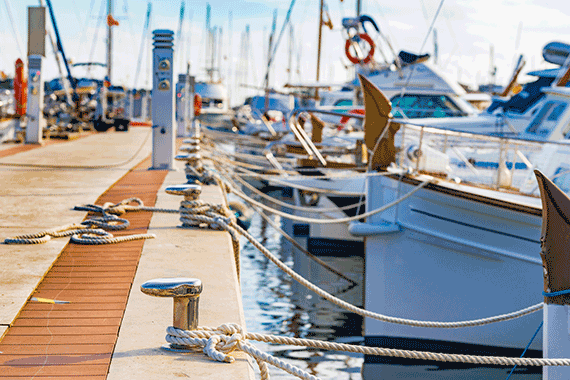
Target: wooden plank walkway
pixel 76 339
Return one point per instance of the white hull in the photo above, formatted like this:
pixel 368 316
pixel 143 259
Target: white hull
pixel 454 259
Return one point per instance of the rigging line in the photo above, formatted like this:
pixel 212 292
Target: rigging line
pixel 422 48
pixel 272 56
pixel 14 30
pixel 85 24
pixel 143 44
pixel 95 35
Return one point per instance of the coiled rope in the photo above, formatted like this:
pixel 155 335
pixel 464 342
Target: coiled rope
pixel 90 231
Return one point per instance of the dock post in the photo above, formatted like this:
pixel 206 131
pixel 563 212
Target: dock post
pixel 36 120
pixel 163 100
pixel 131 104
pixel 181 105
pixel 144 105
pixel 556 271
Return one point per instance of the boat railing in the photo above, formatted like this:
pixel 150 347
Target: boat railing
pixel 478 159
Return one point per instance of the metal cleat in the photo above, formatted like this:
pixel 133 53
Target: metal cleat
pixel 190 148
pixel 190 192
pixel 186 293
pixel 191 141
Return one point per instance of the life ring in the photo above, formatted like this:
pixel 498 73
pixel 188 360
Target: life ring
pixel 354 59
pixel 344 119
pixel 197 104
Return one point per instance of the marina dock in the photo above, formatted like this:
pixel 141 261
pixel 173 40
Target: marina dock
pixel 76 311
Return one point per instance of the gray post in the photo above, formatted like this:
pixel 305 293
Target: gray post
pixel 163 100
pixel 35 100
pixel 131 104
pixel 181 105
pixel 556 265
pixel 144 105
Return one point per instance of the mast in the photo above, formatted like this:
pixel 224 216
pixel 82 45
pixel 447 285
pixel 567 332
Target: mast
pixel 358 8
pixel 109 39
pixel 290 61
pixel 320 40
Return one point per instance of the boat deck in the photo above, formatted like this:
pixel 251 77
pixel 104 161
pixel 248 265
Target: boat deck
pixel 107 329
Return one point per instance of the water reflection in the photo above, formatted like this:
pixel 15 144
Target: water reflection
pixel 275 304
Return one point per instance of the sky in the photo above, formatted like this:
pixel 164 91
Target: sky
pixel 467 31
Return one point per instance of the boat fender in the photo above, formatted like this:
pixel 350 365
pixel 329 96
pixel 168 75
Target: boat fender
pixel 353 59
pixel 197 104
pixel 20 88
pixel 242 213
pixel 368 229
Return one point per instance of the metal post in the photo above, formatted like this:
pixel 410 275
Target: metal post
pixel 109 39
pixel 35 100
pixel 144 106
pixel 181 87
pixel 555 261
pixel 131 104
pixel 163 100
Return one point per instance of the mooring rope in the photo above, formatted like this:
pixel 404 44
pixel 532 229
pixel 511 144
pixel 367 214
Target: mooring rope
pixel 219 342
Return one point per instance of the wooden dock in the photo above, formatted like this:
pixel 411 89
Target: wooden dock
pixel 108 329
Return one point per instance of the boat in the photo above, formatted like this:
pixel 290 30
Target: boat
pixel 462 247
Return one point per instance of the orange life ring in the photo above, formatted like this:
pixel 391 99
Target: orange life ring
pixel 354 59
pixel 197 104
pixel 356 111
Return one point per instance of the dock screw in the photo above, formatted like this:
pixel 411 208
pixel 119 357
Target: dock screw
pixel 186 293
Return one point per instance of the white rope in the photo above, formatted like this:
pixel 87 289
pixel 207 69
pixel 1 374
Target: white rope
pixel 329 221
pixel 291 206
pixel 235 338
pixel 231 227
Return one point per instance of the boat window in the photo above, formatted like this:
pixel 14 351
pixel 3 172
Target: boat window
pixel 545 120
pixel 343 103
pixel 561 178
pixel 417 106
pixel 556 112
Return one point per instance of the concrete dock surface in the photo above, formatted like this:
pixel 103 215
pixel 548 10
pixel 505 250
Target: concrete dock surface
pixel 33 199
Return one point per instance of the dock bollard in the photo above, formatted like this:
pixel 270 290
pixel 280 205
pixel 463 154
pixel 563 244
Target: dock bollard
pixel 34 129
pixel 191 192
pixel 192 168
pixel 556 271
pixel 163 135
pixel 186 293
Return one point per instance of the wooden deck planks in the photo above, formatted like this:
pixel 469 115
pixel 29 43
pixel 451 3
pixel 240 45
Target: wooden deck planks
pixel 76 340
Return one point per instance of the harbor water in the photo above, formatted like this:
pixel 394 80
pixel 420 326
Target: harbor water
pixel 275 304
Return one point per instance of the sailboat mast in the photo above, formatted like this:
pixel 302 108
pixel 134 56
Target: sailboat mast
pixel 358 8
pixel 320 40
pixel 109 39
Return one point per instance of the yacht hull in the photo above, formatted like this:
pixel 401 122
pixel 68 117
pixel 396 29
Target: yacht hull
pixel 454 258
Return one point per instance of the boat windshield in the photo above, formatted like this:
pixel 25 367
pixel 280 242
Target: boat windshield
pixel 421 106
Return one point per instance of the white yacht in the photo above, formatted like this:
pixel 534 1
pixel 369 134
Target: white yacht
pixel 215 111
